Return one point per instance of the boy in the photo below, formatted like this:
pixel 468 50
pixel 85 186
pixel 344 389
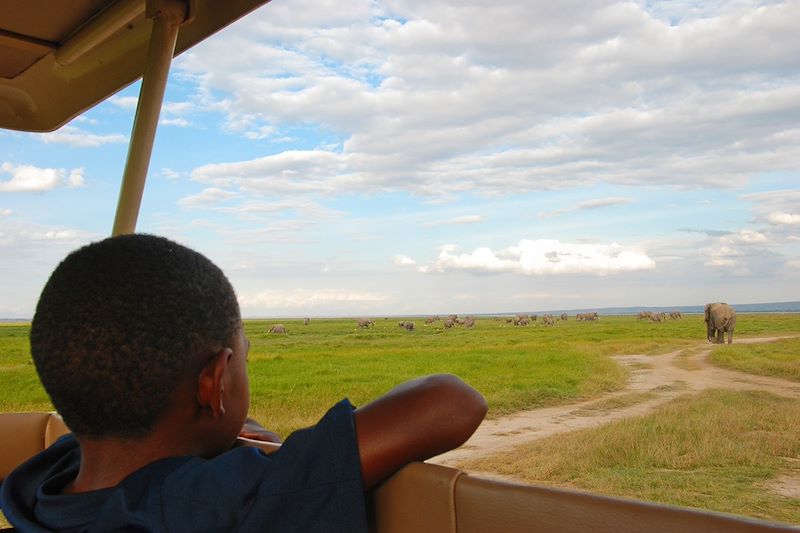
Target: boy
pixel 139 343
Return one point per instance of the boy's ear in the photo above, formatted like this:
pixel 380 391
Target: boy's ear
pixel 210 383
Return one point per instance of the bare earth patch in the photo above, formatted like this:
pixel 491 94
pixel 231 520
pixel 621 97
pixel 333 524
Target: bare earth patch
pixel 787 485
pixel 655 379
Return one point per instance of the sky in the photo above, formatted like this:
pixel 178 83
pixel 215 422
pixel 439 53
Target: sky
pixel 397 157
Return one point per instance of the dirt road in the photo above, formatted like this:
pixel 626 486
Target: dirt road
pixel 663 376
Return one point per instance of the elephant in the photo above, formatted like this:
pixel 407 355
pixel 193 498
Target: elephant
pixel 306 321
pixel 563 316
pixel 277 328
pixel 720 318
pixel 408 325
pixel 365 323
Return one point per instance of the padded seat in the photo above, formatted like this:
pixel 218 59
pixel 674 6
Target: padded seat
pixel 430 498
pixel 23 435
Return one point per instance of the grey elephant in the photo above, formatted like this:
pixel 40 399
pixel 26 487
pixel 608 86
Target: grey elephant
pixel 720 318
pixel 277 328
pixel 365 323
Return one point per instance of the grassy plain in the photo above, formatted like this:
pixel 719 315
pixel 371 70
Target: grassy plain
pixel 294 378
pixel 716 450
pixel 780 358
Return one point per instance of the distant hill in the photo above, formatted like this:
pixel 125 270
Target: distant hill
pixel 770 307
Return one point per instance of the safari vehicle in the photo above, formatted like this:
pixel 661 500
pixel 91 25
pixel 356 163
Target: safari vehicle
pixel 59 58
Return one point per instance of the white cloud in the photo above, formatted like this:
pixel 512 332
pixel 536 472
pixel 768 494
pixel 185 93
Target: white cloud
pixel 177 108
pixel 445 98
pixel 537 296
pixel 544 257
pixel 780 218
pixel 777 208
pixel 260 210
pixel 23 237
pixel 735 249
pixel 310 299
pixel 125 102
pixel 457 221
pixel 752 237
pixel 56 235
pixel 169 174
pixel 174 114
pixel 5 212
pixel 175 121
pixel 28 178
pixel 588 204
pixel 288 172
pixel 78 138
pixel 403 260
pixel 206 197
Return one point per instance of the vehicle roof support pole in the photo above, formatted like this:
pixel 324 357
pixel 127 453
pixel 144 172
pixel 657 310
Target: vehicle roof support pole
pixel 167 17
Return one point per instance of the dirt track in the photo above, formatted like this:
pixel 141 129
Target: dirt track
pixel 664 376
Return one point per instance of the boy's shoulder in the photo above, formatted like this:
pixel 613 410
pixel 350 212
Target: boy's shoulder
pixel 313 480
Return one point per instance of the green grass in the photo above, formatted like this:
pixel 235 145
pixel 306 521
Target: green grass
pixel 780 358
pixel 717 450
pixel 20 389
pixel 294 378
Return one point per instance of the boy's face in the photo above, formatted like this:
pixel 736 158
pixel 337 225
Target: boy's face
pixel 237 385
pixel 235 396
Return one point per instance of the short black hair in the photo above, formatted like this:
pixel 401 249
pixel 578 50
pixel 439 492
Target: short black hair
pixel 120 322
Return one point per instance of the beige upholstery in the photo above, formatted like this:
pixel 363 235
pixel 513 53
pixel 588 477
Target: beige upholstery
pixel 424 497
pixel 430 498
pixel 418 498
pixel 23 435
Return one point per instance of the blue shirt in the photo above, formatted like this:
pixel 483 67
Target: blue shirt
pixel 312 483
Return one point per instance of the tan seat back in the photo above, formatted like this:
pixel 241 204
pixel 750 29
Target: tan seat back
pixel 23 435
pixel 418 498
pixel 423 498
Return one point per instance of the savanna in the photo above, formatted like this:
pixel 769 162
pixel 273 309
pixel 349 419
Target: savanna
pixel 617 406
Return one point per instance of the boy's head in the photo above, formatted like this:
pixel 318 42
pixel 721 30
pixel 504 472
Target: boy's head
pixel 121 323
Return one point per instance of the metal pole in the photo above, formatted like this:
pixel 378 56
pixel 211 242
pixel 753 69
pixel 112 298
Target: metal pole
pixel 166 22
pixel 98 30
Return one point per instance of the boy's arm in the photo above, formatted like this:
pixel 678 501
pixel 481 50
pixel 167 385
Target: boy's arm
pixel 254 431
pixel 414 421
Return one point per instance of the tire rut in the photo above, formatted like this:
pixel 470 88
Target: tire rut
pixel 660 377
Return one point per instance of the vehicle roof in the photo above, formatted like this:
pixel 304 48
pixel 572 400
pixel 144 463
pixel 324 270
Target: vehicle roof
pixel 57 59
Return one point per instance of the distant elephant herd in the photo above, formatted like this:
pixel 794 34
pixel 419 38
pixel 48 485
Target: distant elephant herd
pixel 658 317
pixel 720 319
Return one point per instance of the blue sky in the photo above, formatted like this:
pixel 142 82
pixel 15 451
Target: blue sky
pixel 402 157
